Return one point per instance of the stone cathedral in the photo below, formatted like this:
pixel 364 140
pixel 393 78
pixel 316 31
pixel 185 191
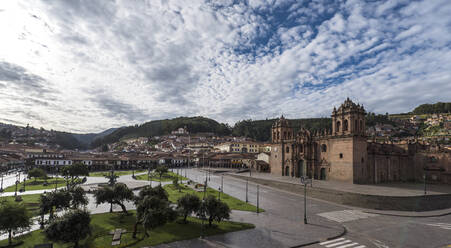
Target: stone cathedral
pixel 343 152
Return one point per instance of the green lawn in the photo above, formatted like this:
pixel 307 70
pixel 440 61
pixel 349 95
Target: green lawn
pixel 38 184
pixel 234 203
pixel 168 177
pixel 31 202
pixel 102 224
pixel 118 173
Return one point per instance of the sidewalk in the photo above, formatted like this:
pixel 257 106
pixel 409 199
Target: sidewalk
pixel 383 189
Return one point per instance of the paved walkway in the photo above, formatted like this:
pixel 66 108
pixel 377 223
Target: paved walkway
pixel 386 189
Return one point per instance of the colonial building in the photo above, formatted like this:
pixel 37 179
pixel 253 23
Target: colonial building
pixel 343 153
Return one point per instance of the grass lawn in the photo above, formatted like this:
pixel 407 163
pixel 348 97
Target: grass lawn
pixel 118 173
pixel 102 224
pixel 31 202
pixel 234 203
pixel 168 177
pixel 38 184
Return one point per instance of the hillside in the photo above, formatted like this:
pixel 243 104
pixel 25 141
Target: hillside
pixel 162 127
pixel 436 108
pixel 87 138
pixel 260 130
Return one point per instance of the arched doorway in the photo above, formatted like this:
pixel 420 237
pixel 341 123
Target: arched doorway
pixel 322 174
pixel 300 168
pixel 287 171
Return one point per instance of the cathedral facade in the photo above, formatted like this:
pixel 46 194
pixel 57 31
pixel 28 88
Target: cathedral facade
pixel 343 152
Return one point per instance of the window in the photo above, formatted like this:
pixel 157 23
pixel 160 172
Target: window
pixel 323 148
pixel 337 126
pixel 363 160
pixel 356 125
pixel 345 125
pixel 288 149
pixel 341 155
pixel 361 125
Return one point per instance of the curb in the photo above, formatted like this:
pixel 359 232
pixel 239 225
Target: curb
pixel 408 216
pixel 319 241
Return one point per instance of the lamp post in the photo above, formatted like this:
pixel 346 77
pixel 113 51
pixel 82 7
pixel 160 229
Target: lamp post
pixel 149 177
pixel 424 180
pixel 202 213
pixel 1 188
pixel 258 199
pixel 305 181
pixel 15 193
pixel 247 183
pixel 219 193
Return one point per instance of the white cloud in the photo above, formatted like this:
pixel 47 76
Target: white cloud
pixel 106 64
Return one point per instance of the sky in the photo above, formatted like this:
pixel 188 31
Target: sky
pixel 86 66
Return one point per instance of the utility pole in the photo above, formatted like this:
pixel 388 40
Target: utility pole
pixel 247 183
pixel 258 199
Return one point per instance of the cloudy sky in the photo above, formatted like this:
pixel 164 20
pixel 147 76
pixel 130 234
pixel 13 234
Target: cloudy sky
pixel 85 66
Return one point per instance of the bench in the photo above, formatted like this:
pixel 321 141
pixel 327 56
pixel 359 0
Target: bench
pixel 117 233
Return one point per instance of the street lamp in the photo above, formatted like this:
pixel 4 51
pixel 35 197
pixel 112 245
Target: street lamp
pixel 1 188
pixel 247 183
pixel 424 179
pixel 219 192
pixel 15 193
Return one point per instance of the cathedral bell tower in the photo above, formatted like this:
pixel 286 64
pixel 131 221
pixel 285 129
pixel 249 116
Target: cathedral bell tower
pixel 281 131
pixel 348 120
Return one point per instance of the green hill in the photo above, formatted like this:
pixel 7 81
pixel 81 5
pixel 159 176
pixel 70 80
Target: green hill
pixel 162 127
pixel 436 108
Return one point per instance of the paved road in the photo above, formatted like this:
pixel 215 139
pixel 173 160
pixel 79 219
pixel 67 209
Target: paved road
pixel 363 230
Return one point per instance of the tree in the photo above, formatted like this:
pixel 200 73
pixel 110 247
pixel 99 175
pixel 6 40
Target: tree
pixel 117 194
pixel 45 206
pixel 74 171
pixel 14 217
pixel 104 194
pixel 37 173
pixel 161 170
pixel 214 209
pixel 112 178
pixel 152 212
pixel 72 227
pixel 188 204
pixel 149 191
pixel 78 197
pixel 51 201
